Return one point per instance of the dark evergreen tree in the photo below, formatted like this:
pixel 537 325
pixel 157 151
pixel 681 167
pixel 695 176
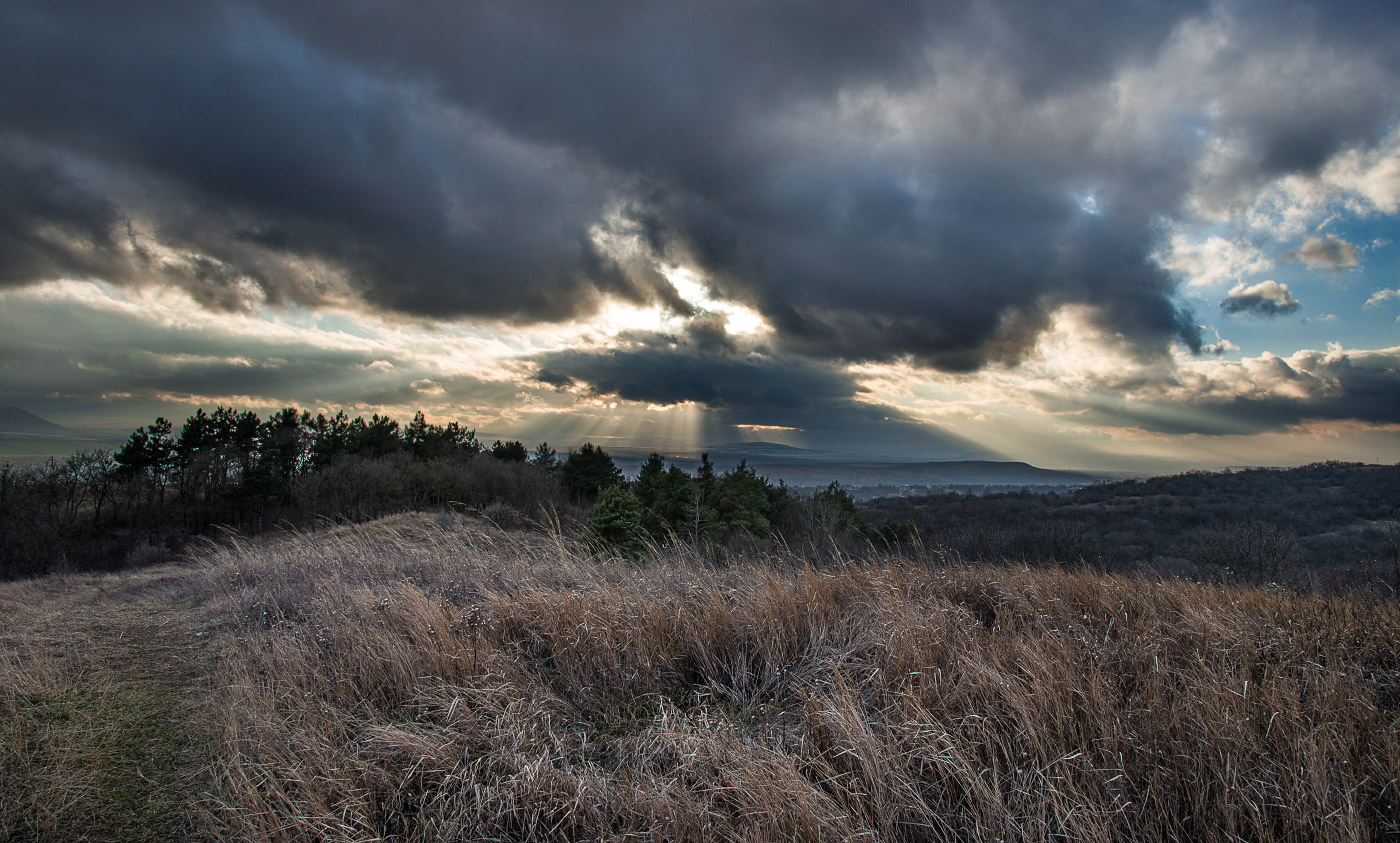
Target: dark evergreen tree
pixel 330 439
pixel 705 479
pixel 148 453
pixel 545 457
pixel 282 452
pixel 588 471
pixel 676 504
pixel 704 520
pixel 509 451
pixel 460 440
pixel 378 437
pixel 649 488
pixel 743 500
pixel 418 435
pixel 835 514
pixel 616 524
pixel 144 464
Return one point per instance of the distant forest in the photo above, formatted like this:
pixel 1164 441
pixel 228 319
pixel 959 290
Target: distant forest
pixel 1314 525
pixel 1324 525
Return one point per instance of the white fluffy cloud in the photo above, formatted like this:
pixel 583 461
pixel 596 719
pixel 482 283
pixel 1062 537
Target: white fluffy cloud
pixel 1215 260
pixel 1361 181
pixel 1371 178
pixel 1380 297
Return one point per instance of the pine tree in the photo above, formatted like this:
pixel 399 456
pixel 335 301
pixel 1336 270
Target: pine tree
pixel 509 451
pixel 588 471
pixel 617 523
pixel 743 500
pixel 649 488
pixel 545 457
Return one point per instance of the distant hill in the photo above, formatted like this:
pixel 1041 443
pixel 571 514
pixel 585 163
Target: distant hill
pixel 941 473
pixel 16 420
pixel 27 439
pixel 1313 515
pixel 802 467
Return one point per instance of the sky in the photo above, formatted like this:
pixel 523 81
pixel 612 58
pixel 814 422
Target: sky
pixel 1130 236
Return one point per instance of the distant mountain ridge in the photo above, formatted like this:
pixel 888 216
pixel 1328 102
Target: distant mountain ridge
pixel 935 473
pixel 807 467
pixel 21 421
pixel 36 435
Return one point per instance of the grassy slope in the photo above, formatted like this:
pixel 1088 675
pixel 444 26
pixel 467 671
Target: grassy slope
pixel 404 681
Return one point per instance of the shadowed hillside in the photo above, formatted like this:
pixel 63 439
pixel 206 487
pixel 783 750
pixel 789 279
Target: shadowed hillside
pixel 1328 523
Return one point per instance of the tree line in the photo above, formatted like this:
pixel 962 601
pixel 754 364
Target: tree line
pixel 232 470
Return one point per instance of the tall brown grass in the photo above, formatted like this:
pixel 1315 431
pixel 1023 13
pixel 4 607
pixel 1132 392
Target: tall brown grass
pixel 413 681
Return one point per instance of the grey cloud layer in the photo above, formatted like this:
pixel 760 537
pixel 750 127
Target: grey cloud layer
pixel 923 181
pixel 123 367
pixel 1267 298
pixel 1332 254
pixel 1256 395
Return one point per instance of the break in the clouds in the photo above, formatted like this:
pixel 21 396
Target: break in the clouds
pixel 1212 261
pixel 917 184
pixel 1267 298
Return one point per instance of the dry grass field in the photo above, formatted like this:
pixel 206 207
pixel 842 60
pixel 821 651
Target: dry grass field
pixel 426 679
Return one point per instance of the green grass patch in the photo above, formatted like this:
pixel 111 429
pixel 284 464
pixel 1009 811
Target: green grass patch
pixel 97 761
pixel 92 751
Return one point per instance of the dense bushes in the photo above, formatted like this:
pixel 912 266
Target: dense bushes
pixel 232 469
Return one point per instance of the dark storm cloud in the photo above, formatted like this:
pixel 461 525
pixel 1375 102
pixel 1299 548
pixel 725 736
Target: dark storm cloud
pixel 924 181
pixel 1267 299
pixel 745 386
pixel 663 369
pixel 42 212
pixel 258 149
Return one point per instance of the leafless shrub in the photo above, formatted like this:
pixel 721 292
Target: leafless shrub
pixel 1246 551
pixel 504 515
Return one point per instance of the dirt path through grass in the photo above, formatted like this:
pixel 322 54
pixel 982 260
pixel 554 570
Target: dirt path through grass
pixel 105 695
